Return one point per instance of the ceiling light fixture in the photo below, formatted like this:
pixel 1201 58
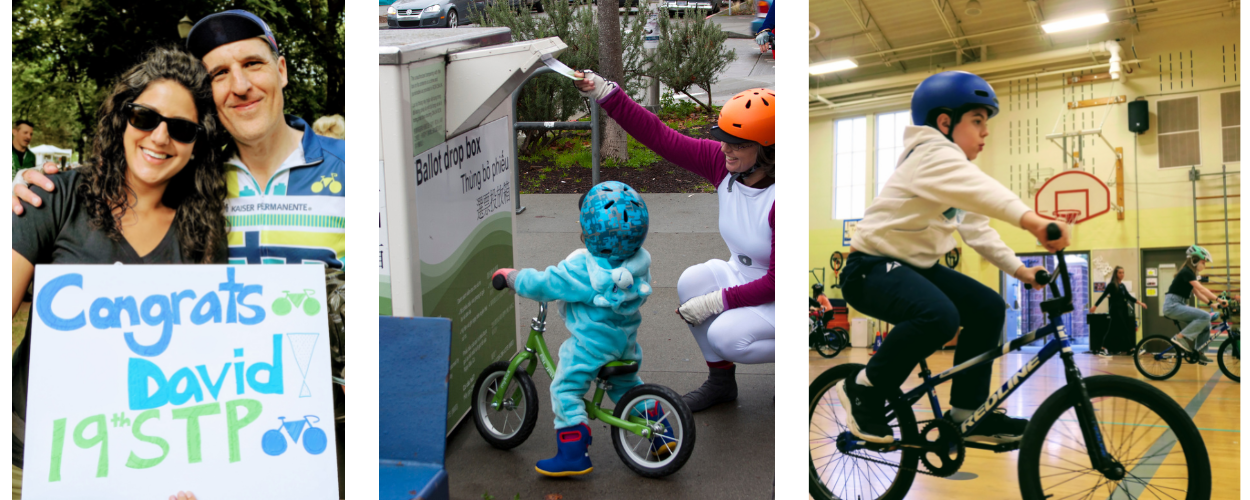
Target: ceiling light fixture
pixel 973 8
pixel 831 66
pixel 1076 22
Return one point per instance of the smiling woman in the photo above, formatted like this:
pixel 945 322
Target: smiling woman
pixel 151 192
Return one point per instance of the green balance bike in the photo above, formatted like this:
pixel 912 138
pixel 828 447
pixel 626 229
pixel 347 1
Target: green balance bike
pixel 505 407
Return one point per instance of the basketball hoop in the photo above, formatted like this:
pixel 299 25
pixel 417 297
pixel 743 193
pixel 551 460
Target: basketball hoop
pixel 1068 216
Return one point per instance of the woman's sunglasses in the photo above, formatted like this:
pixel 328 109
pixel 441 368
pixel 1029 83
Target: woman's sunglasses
pixel 147 119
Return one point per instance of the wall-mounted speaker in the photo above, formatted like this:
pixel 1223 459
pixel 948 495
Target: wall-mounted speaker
pixel 1138 116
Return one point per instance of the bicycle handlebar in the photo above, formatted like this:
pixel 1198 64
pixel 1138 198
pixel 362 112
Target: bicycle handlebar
pixel 499 282
pixel 1044 278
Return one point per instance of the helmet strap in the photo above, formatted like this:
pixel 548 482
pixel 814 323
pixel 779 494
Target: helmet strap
pixel 739 175
pixel 955 114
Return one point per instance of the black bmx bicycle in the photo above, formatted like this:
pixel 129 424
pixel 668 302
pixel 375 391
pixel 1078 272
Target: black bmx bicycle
pixel 827 342
pixel 1159 357
pixel 1096 437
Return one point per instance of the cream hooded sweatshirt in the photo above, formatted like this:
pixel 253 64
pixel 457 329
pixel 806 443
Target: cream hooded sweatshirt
pixel 934 192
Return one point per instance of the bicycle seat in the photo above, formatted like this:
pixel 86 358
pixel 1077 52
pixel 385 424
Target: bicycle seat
pixel 616 368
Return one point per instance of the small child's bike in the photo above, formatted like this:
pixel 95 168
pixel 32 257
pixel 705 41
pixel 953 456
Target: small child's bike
pixel 505 407
pixel 1159 357
pixel 1104 436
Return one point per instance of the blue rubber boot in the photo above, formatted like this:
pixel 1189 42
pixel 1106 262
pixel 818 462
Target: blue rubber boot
pixel 664 444
pixel 573 455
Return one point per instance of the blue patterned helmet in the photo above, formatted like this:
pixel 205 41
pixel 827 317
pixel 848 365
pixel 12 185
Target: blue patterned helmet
pixel 614 220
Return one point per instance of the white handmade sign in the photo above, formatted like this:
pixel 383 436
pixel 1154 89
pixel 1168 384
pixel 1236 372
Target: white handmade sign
pixel 149 380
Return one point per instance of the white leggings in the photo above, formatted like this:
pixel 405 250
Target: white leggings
pixel 743 335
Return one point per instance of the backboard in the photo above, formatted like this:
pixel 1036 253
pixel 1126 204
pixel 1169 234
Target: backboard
pixel 1074 196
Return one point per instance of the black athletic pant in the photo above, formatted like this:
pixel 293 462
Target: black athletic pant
pixel 927 307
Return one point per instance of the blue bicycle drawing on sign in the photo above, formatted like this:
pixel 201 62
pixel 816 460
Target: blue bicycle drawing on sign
pixel 314 440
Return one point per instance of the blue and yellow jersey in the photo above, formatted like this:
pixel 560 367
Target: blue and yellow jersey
pixel 299 216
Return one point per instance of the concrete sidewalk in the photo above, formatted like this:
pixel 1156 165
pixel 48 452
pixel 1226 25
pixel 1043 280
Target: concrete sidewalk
pixel 733 455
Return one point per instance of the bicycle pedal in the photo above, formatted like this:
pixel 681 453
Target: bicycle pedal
pixel 996 448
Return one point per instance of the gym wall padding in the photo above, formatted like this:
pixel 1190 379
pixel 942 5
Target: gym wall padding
pixel 1160 199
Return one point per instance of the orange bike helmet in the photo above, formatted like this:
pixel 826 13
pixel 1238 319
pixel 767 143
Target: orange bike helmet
pixel 748 116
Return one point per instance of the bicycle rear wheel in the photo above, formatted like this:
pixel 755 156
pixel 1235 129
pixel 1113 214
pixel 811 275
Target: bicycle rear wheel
pixel 640 454
pixel 839 338
pixel 1230 358
pixel 1142 428
pixel 834 475
pixel 1157 358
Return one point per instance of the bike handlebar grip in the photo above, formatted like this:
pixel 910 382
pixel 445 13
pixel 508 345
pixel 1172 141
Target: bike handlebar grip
pixel 1052 232
pixel 499 282
pixel 1042 278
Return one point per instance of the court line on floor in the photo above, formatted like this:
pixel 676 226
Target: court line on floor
pixel 1162 446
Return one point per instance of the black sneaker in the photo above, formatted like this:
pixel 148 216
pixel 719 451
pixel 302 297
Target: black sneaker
pixel 865 411
pixel 997 428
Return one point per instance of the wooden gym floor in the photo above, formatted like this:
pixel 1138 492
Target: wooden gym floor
pixel 1212 399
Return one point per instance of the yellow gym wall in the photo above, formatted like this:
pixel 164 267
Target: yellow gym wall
pixel 1016 148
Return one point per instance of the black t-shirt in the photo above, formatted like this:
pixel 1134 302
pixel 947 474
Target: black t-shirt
pixel 59 233
pixel 1121 303
pixel 1180 284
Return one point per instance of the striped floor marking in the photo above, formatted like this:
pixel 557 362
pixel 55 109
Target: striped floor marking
pixel 1163 446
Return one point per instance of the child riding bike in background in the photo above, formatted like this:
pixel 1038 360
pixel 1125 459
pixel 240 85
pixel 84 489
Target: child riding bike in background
pixel 892 272
pixel 1196 322
pixel 601 288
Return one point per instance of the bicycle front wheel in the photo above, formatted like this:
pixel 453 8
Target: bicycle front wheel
pixel 1230 358
pixel 1142 428
pixel 510 424
pixel 820 341
pixel 835 475
pixel 1158 358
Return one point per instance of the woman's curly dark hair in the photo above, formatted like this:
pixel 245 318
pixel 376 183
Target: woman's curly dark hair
pixel 197 193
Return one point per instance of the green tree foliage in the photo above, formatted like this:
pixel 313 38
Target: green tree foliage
pixel 68 53
pixel 692 53
pixel 552 97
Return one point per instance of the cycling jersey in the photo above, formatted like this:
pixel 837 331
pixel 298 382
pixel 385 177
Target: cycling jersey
pixel 298 217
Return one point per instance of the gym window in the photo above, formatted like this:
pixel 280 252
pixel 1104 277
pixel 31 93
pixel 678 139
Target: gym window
pixel 1230 124
pixel 850 167
pixel 889 144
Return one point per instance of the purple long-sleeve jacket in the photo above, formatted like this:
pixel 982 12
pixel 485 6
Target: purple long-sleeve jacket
pixel 702 157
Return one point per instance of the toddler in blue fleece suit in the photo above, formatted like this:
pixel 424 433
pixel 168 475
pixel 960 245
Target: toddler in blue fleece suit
pixel 601 287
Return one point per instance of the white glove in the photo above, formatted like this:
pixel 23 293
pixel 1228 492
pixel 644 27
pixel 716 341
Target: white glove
pixel 601 87
pixel 20 178
pixel 762 38
pixel 697 310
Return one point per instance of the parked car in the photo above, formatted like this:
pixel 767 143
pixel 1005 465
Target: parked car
pixel 682 6
pixel 761 11
pixel 433 13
